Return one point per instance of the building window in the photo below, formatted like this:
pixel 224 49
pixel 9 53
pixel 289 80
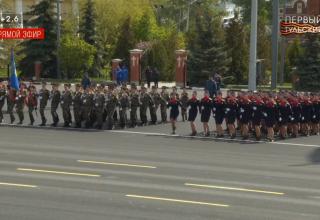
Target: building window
pixel 299 8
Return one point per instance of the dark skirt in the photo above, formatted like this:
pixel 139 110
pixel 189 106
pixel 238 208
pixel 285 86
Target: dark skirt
pixel 205 116
pixel 174 114
pixel 219 118
pixel 192 114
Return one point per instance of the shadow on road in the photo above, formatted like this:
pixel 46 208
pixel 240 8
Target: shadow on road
pixel 313 159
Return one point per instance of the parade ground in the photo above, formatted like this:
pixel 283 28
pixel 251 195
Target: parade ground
pixel 145 173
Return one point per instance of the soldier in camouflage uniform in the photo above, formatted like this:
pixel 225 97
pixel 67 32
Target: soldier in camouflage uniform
pixel 163 104
pixel 32 102
pixel 184 104
pixel 44 96
pixel 66 102
pixel 3 95
pixel 77 106
pixel 124 104
pixel 55 100
pixel 86 106
pixel 145 102
pixel 156 100
pixel 134 105
pixel 99 103
pixel 11 100
pixel 20 103
pixel 111 105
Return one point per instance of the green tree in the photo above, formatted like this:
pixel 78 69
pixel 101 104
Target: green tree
pixel 207 51
pixel 76 56
pixel 41 50
pixel 293 53
pixel 237 44
pixel 309 64
pixel 126 41
pixel 88 23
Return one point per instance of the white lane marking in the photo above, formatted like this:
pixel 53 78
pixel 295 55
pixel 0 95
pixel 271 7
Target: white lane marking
pixel 213 138
pixel 18 185
pixel 58 172
pixel 177 200
pixel 233 189
pixel 116 164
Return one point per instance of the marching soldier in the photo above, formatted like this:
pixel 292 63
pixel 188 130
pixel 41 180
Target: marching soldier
pixel 66 102
pixel 164 95
pixel 55 100
pixel 111 105
pixel 3 95
pixel 184 104
pixel 77 106
pixel 44 96
pixel 156 100
pixel 231 114
pixel 134 105
pixel 124 104
pixel 20 102
pixel 146 101
pixel 32 102
pixel 86 106
pixel 11 100
pixel 99 103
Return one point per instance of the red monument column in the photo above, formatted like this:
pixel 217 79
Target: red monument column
pixel 135 65
pixel 115 65
pixel 37 70
pixel 181 68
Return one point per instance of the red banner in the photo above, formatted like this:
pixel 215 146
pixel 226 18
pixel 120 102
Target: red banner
pixel 22 33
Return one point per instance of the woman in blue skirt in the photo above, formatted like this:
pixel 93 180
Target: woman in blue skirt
pixel 194 104
pixel 174 104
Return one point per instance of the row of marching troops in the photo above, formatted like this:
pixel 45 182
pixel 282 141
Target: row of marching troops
pixel 288 114
pixel 91 107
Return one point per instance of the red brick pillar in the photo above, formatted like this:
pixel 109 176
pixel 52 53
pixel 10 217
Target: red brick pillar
pixel 37 70
pixel 181 68
pixel 115 65
pixel 135 65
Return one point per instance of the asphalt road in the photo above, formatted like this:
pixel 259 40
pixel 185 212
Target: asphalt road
pixel 144 174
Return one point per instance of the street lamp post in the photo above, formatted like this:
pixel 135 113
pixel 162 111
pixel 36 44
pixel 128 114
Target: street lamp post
pixel 253 46
pixel 58 37
pixel 275 46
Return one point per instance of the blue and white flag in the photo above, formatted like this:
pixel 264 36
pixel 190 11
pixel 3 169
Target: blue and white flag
pixel 14 81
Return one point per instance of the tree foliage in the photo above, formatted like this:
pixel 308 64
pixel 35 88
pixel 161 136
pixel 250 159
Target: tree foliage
pixel 207 49
pixel 76 55
pixel 309 64
pixel 41 50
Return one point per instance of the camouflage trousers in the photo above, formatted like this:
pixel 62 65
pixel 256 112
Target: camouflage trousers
pixel 42 115
pixel 153 114
pixel 20 113
pixel 30 111
pixel 1 113
pixel 123 117
pixel 99 117
pixel 110 118
pixel 85 116
pixel 133 116
pixel 163 110
pixel 54 114
pixel 143 114
pixel 66 113
pixel 10 111
pixel 77 115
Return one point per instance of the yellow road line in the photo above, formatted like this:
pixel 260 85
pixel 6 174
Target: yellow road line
pixel 58 172
pixel 177 200
pixel 234 189
pixel 18 185
pixel 116 164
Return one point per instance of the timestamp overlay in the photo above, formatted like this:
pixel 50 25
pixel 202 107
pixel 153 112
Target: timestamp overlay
pixel 11 28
